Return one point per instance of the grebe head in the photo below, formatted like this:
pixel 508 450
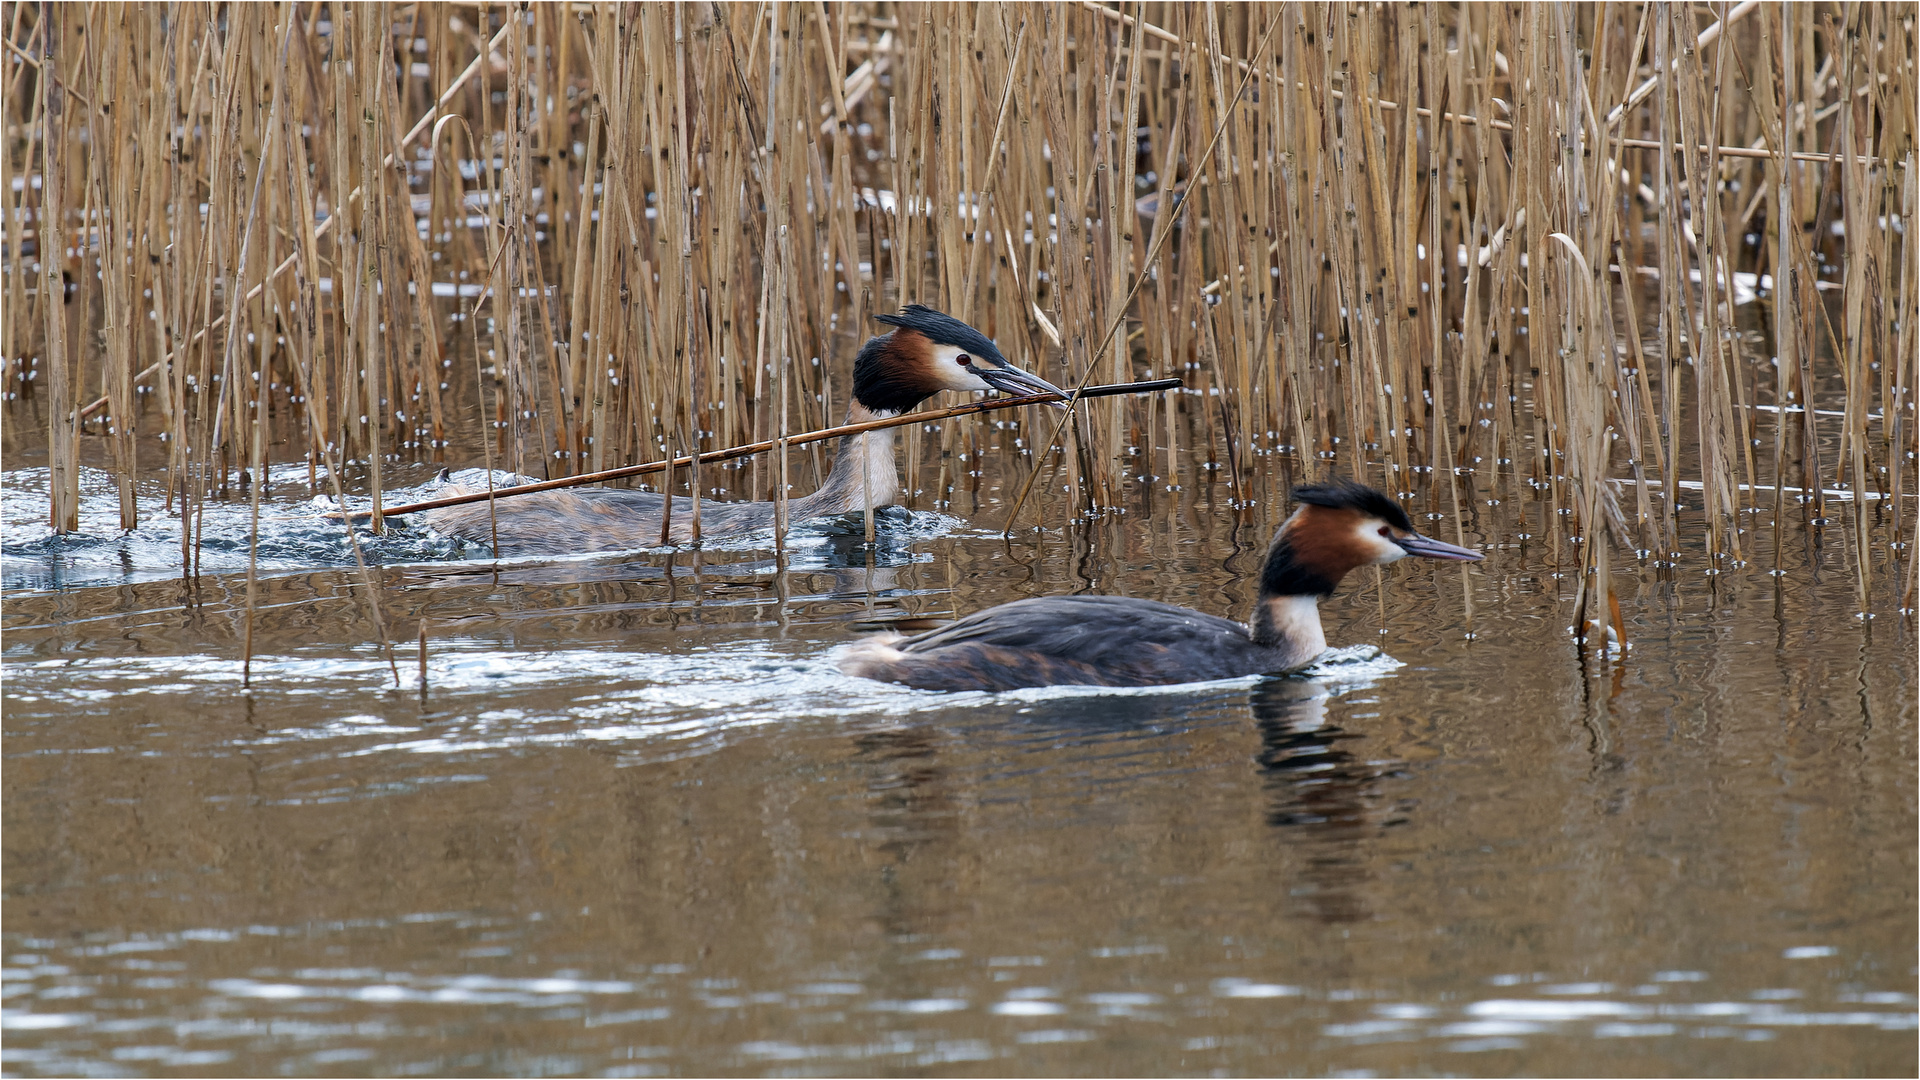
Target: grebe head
pixel 1340 526
pixel 929 352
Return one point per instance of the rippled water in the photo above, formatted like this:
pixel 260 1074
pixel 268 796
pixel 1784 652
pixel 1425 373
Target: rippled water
pixel 636 823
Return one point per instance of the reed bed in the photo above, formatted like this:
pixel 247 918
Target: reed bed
pixel 1412 243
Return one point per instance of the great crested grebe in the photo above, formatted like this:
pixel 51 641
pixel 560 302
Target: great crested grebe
pixel 927 352
pixel 1119 641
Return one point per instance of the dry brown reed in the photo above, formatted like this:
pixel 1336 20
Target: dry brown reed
pixel 1419 253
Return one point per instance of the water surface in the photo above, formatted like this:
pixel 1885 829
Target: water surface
pixel 636 823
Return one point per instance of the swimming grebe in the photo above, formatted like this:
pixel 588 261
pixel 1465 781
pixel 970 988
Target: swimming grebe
pixel 1119 641
pixel 926 353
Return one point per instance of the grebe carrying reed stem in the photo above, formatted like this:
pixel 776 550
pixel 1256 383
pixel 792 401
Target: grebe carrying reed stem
pixel 927 353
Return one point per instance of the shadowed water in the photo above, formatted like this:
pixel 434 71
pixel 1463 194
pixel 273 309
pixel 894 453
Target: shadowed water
pixel 636 823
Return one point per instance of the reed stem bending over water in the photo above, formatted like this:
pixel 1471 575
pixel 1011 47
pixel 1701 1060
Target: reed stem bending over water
pixel 1472 252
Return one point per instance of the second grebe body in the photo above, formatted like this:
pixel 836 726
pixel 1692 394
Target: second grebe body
pixel 926 353
pixel 1120 641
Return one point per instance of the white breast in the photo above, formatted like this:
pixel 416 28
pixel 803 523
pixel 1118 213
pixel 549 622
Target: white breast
pixel 878 477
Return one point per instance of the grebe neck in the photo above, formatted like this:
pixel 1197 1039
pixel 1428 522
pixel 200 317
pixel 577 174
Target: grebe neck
pixel 864 474
pixel 1289 621
pixel 1292 581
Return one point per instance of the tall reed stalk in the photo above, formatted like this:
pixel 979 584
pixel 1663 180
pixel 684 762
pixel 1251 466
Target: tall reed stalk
pixel 1471 252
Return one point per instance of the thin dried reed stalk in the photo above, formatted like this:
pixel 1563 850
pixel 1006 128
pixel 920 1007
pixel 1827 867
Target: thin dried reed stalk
pixel 1501 250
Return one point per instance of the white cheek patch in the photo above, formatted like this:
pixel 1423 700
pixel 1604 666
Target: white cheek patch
pixel 1381 550
pixel 954 375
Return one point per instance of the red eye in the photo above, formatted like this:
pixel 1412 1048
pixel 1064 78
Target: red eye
pixel 963 359
pixel 1386 532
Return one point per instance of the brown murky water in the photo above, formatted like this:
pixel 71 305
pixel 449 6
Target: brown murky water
pixel 637 824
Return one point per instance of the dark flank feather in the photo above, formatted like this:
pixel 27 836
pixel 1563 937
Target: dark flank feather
pixel 612 519
pixel 1075 640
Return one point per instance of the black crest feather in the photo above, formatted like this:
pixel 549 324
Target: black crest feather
pixel 944 329
pixel 1347 495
